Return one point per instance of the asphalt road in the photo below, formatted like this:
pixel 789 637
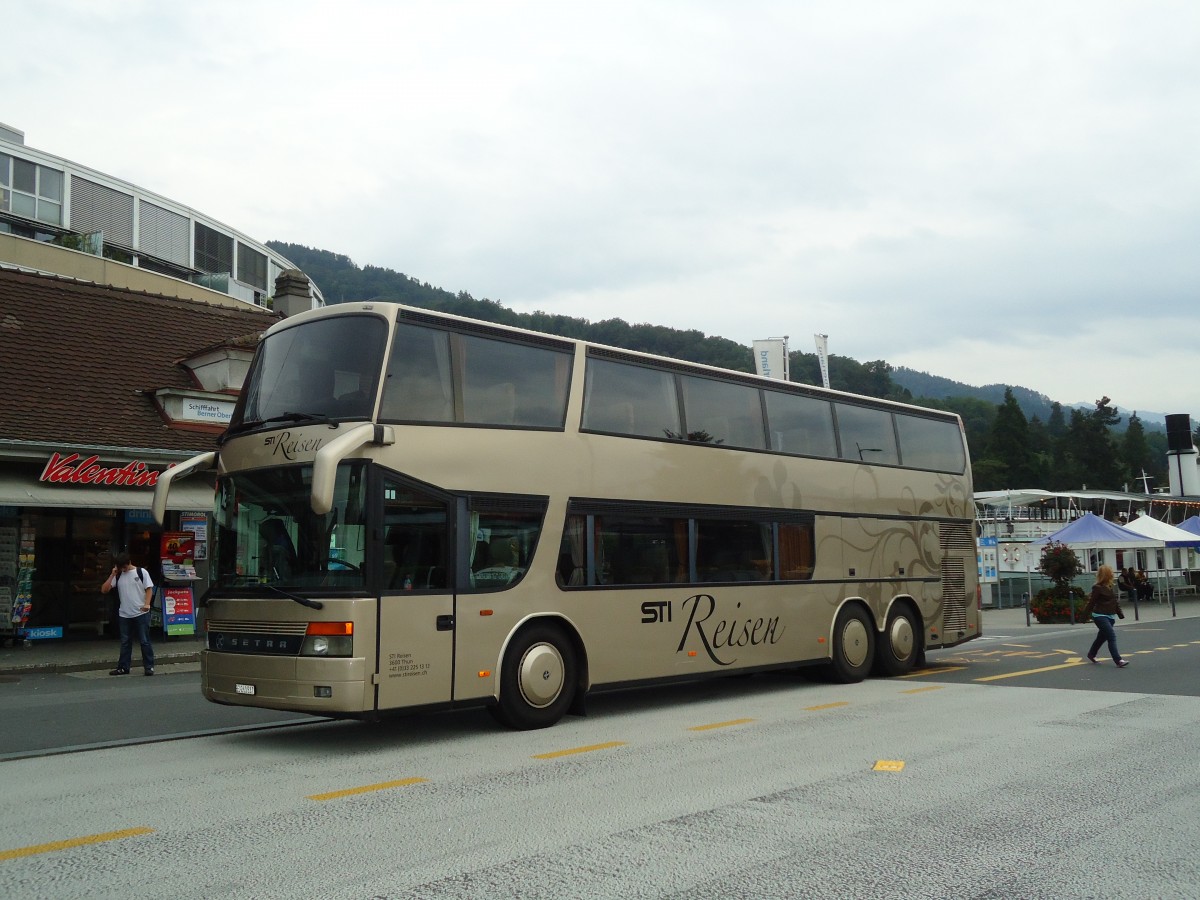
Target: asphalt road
pixel 756 787
pixel 56 713
pixel 84 710
pixel 1164 658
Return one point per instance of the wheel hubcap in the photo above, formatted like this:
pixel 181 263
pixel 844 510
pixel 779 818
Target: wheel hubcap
pixel 855 643
pixel 541 675
pixel 900 637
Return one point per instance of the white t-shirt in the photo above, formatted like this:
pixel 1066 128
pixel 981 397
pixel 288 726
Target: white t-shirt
pixel 132 591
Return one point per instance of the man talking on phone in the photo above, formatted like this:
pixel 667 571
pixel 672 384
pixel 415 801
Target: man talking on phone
pixel 134 588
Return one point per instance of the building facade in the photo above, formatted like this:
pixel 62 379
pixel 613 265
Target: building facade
pixel 117 231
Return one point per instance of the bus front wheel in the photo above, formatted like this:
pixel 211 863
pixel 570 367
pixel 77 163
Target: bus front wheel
pixel 537 682
pixel 853 645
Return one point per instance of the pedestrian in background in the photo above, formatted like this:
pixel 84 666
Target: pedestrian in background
pixel 134 589
pixel 1128 583
pixel 1145 590
pixel 1105 608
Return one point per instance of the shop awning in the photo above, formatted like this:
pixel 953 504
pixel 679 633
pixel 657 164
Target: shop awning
pixel 194 494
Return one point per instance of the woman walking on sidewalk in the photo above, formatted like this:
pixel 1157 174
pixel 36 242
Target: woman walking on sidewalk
pixel 1105 608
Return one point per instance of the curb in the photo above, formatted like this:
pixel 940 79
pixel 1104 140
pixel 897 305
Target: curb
pixel 55 668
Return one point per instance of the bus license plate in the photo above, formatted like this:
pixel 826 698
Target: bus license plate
pixel 244 689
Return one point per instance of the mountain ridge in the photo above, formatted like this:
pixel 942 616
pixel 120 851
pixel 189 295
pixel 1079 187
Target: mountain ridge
pixel 343 280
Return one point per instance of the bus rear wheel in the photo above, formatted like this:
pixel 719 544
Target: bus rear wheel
pixel 853 645
pixel 538 679
pixel 898 649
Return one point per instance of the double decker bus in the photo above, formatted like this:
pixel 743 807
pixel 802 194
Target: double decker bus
pixel 416 510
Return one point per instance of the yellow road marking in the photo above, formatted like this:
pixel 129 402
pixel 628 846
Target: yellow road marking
pixel 1067 665
pixel 889 765
pixel 919 672
pixel 921 690
pixel 367 788
pixel 825 706
pixel 720 724
pixel 73 842
pixel 588 749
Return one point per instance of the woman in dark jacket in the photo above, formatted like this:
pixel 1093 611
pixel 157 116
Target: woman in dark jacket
pixel 1105 608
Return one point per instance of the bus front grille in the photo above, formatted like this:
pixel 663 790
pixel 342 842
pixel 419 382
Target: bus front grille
pixel 288 628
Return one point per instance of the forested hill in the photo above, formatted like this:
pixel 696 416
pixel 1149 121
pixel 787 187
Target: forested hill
pixel 341 279
pixel 922 384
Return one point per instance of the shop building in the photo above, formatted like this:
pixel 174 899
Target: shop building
pixel 100 390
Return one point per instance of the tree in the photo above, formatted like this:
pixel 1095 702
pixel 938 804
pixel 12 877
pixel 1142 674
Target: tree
pixel 1089 454
pixel 1008 443
pixel 1135 455
pixel 1041 458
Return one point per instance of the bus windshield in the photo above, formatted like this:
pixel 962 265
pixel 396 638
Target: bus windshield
pixel 267 533
pixel 328 369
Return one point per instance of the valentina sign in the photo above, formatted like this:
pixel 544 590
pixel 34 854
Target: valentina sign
pixel 71 470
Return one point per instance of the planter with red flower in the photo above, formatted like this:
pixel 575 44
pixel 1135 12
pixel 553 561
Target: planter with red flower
pixel 1053 604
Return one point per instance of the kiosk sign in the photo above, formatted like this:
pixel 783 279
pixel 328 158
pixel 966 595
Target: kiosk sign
pixel 178 565
pixel 179 613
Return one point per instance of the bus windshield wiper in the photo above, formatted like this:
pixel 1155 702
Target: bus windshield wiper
pixel 244 425
pixel 303 601
pixel 301 417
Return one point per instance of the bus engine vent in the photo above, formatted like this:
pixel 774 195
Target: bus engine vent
pixel 957 536
pixel 954 595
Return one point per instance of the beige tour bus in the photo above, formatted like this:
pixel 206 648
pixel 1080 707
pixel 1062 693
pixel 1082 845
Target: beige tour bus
pixel 419 511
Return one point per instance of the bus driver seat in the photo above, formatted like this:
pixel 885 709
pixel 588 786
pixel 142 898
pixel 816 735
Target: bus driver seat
pixel 278 553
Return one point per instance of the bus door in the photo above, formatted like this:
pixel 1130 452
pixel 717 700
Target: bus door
pixel 416 603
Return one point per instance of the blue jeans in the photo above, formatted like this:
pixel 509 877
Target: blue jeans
pixel 1106 633
pixel 139 625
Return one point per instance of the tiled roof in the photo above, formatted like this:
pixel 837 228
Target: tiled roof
pixel 79 362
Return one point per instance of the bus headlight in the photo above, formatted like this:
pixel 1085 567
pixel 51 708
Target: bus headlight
pixel 328 639
pixel 327 645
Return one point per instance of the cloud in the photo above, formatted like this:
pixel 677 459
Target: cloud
pixel 990 193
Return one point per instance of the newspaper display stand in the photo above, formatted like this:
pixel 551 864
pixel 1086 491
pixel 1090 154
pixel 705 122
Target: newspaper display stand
pixel 16 583
pixel 176 609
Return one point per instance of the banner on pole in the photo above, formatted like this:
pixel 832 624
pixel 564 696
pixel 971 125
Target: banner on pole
pixel 823 357
pixel 770 358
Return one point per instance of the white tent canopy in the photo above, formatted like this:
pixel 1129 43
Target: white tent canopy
pixel 1090 532
pixel 1161 531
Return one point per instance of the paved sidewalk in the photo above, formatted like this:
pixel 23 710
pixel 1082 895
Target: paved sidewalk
pixel 101 653
pixel 1010 620
pixel 98 654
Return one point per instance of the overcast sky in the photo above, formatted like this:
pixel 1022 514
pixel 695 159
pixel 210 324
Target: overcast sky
pixel 991 192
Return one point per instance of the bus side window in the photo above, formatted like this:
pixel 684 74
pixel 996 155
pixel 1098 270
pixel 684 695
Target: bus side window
pixel 796 552
pixel 506 535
